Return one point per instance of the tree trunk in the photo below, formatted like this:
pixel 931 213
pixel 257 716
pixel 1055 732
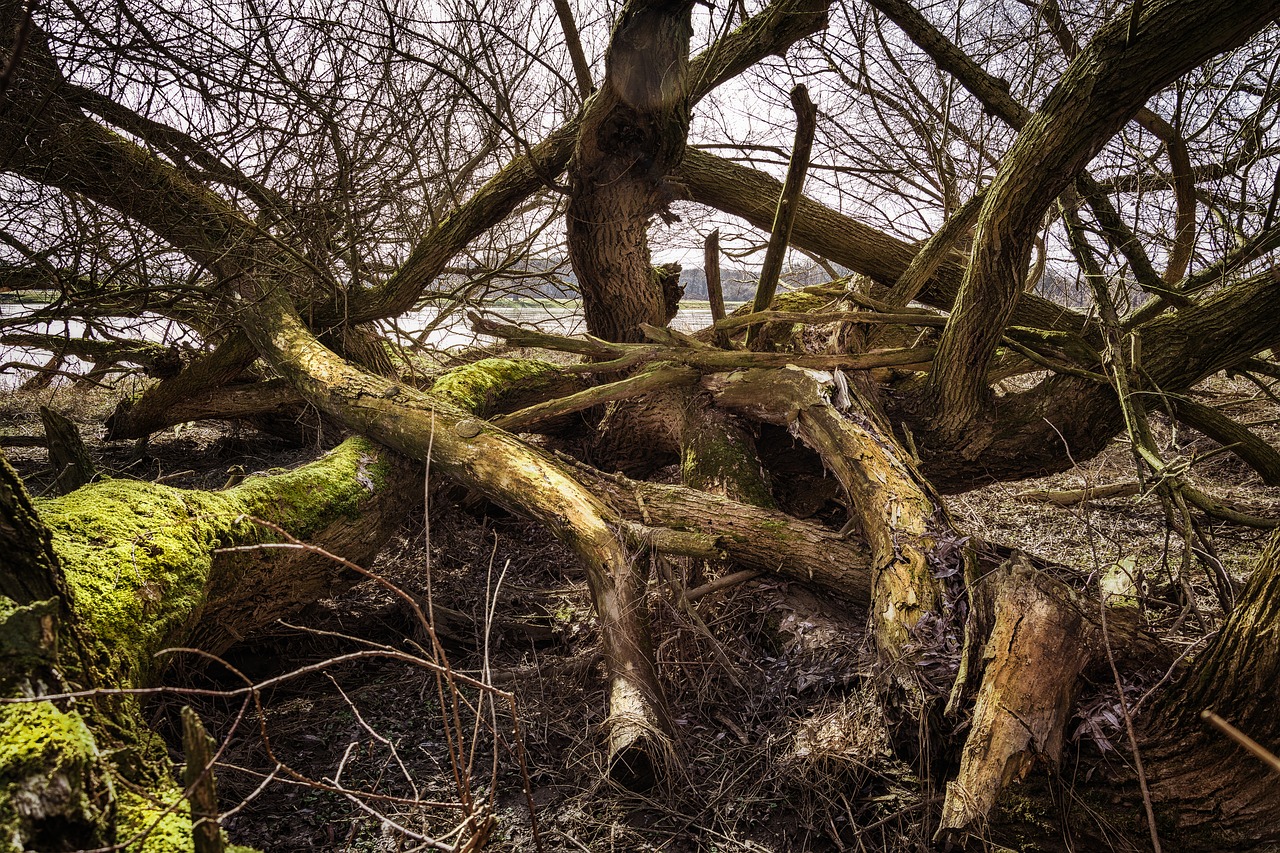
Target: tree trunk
pixel 632 136
pixel 119 570
pixel 1217 795
pixel 72 464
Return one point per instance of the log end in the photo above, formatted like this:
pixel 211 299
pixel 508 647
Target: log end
pixel 635 766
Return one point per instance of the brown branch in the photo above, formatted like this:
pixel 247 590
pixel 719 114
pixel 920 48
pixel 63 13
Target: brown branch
pixel 750 194
pixel 1250 745
pixel 820 317
pixel 756 538
pixel 1257 453
pixel 934 253
pixel 22 33
pixel 715 294
pixel 1071 497
pixel 656 377
pixel 1101 90
pixel 708 360
pixel 772 31
pixel 573 43
pixel 994 94
pixel 785 216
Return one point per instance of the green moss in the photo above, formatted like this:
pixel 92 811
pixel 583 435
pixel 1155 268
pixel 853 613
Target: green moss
pixel 138 557
pixel 35 737
pixel 712 458
pixel 775 526
pixel 160 832
pixel 47 756
pixel 139 561
pixel 476 386
pixel 311 497
pixel 146 820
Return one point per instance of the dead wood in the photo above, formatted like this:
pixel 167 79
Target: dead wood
pixel 72 464
pixel 785 216
pixel 1071 497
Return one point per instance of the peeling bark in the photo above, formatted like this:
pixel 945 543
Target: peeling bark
pixel 913 621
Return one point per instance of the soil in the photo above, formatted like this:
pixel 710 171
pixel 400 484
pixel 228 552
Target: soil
pixel 779 745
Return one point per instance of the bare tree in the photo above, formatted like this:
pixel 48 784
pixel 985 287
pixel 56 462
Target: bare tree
pixel 279 180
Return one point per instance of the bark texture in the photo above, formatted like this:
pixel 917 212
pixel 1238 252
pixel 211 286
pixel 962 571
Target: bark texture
pixel 632 136
pixel 1218 796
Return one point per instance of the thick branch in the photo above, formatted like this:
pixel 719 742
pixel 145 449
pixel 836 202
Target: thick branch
pixel 750 194
pixel 710 360
pixel 773 30
pixel 1104 86
pixel 785 216
pixel 1256 452
pixel 424 426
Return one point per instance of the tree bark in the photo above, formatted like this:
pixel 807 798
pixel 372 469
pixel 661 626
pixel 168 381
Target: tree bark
pixel 127 569
pixel 631 138
pixel 72 464
pixel 1103 87
pixel 1219 797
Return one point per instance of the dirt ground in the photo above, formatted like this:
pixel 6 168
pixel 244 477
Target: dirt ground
pixel 778 745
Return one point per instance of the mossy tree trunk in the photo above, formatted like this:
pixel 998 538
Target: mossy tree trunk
pixel 54 790
pixel 1028 637
pixel 98 582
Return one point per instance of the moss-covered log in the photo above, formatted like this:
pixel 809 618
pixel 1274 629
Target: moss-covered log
pixel 134 568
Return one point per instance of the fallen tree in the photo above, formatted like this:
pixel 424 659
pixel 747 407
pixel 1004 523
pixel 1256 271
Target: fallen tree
pixel 100 581
pixel 980 651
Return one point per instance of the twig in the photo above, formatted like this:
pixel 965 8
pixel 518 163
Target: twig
pixel 1252 746
pixel 723 582
pixel 1128 727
